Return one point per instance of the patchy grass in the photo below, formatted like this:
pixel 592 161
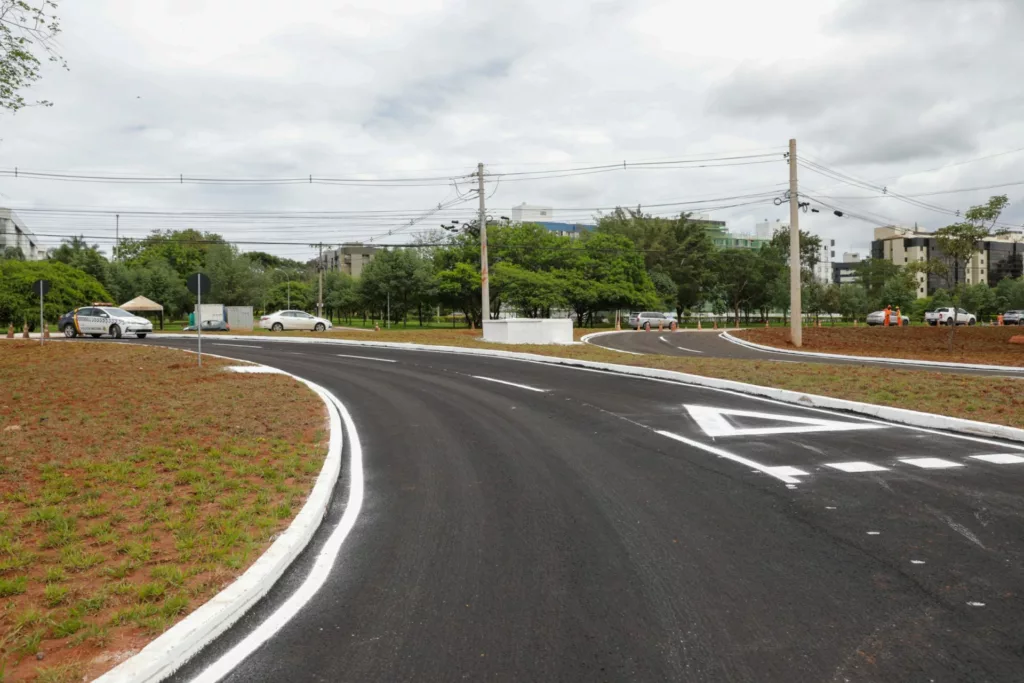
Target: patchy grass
pixel 986 345
pixel 133 487
pixel 988 399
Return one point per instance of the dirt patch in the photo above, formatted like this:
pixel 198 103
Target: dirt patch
pixel 133 487
pixel 986 345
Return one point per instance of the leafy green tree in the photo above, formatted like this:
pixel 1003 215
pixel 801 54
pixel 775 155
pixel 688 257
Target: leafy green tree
pixel 980 299
pixel 690 262
pixel 233 280
pixel 531 294
pixel 184 250
pixel 874 273
pixel 28 35
pixel 341 295
pixel 12 254
pixel 69 288
pixel 959 242
pixel 459 288
pixel 898 291
pixel 738 278
pixel 156 281
pixel 810 247
pixel 294 295
pixel 77 253
pixel 831 301
pixel 1010 294
pixel 854 303
pixel 401 276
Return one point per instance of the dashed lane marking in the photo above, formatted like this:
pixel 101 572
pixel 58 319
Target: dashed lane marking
pixel 857 466
pixel 511 384
pixel 931 463
pixel 379 360
pixel 999 458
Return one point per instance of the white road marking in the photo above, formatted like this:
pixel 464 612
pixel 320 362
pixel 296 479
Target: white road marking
pixel 681 348
pixel 511 384
pixel 382 360
pixel 976 604
pixel 318 574
pixel 931 463
pixel 1000 458
pixel 247 346
pixel 785 474
pixel 874 533
pixel 256 370
pixel 856 466
pixel 917 562
pixel 712 421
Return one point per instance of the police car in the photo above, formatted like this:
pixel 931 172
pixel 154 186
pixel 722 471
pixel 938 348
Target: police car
pixel 100 320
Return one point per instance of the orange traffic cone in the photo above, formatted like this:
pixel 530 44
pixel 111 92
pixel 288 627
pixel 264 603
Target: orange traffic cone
pixel 10 331
pixel 661 326
pixel 698 324
pixel 766 323
pixel 716 324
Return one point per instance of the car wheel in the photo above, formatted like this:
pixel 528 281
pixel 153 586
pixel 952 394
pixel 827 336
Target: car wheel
pixel 277 327
pixel 971 322
pixel 115 331
pixel 69 331
pixel 141 335
pixel 319 327
pixel 950 322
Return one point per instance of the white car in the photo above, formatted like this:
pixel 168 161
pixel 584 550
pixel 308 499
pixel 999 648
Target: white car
pixel 99 320
pixel 294 320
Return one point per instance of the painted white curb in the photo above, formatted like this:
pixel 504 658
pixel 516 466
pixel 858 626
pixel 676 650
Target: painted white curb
pixel 874 359
pixel 898 415
pixel 184 640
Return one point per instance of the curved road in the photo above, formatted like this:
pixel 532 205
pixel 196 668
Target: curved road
pixel 710 344
pixel 527 522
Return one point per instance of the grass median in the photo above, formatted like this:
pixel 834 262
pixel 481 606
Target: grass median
pixel 999 400
pixel 133 487
pixel 985 345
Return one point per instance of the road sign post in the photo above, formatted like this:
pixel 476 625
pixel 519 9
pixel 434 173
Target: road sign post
pixel 41 287
pixel 199 284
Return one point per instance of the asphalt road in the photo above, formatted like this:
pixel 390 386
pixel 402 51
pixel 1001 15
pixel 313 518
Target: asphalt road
pixel 709 344
pixel 608 528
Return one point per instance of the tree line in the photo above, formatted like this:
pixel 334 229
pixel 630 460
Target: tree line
pixel 630 261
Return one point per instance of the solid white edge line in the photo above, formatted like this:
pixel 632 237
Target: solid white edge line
pixel 511 384
pixel 379 360
pixel 776 472
pixel 872 359
pixel 175 647
pixel 929 423
pixel 246 346
pixel 318 574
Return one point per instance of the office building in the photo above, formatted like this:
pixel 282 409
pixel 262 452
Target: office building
pixel 14 234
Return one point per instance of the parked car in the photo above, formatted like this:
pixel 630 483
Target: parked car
pixel 1013 318
pixel 210 326
pixel 944 316
pixel 650 319
pixel 294 320
pixel 99 320
pixel 878 318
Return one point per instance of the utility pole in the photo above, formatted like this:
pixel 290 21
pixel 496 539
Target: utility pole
pixel 117 235
pixel 320 269
pixel 795 315
pixel 289 294
pixel 485 287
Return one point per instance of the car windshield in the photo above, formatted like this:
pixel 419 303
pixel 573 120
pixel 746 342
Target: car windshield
pixel 119 313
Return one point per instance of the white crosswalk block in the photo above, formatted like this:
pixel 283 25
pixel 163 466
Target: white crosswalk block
pixel 1000 458
pixel 931 463
pixel 856 466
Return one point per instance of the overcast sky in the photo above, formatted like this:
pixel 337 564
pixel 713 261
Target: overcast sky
pixel 886 92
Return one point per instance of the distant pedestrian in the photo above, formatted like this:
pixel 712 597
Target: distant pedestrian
pixel 888 315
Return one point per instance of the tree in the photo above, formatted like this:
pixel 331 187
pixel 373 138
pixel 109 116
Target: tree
pixel 810 247
pixel 294 295
pixel 690 262
pixel 874 273
pixel 899 291
pixel 853 302
pixel 184 250
pixel 341 295
pixel 459 288
pixel 77 253
pixel 233 280
pixel 156 281
pixel 531 294
pixel 980 299
pixel 1010 294
pixel 28 35
pixel 12 254
pixel 400 276
pixel 831 301
pixel 738 279
pixel 69 288
pixel 959 242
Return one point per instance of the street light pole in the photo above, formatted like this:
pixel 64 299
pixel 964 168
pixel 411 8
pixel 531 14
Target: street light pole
pixel 485 288
pixel 795 315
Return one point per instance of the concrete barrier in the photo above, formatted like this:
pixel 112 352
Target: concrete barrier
pixel 529 331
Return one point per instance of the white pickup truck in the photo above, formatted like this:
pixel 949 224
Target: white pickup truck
pixel 944 316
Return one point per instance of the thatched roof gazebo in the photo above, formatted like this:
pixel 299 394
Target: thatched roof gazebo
pixel 141 304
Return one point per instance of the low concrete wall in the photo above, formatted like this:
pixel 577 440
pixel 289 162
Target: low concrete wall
pixel 529 331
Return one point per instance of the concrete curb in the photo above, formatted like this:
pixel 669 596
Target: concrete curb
pixel 874 359
pixel 903 416
pixel 184 640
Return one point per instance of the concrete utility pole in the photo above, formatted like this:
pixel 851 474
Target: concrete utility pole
pixel 485 287
pixel 117 234
pixel 795 315
pixel 320 269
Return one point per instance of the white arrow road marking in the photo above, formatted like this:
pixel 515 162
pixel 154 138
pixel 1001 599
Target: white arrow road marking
pixel 511 384
pixel 712 421
pixel 784 473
